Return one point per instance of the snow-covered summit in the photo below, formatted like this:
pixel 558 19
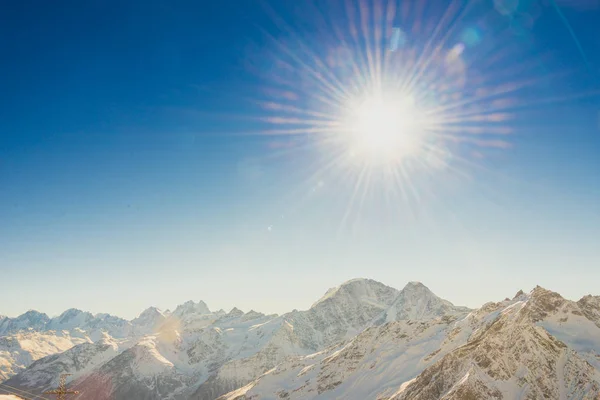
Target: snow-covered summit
pixel 70 319
pixel 358 290
pixel 149 320
pixel 417 302
pixel 235 312
pixel 32 319
pixel 189 307
pixel 149 313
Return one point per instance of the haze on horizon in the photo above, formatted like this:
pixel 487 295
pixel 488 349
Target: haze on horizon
pixel 255 156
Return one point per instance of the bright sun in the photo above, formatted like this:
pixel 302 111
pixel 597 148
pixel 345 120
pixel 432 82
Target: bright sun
pixel 385 128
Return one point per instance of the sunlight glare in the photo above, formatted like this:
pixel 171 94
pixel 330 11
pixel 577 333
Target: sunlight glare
pixel 385 128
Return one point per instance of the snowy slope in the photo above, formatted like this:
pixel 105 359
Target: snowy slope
pixel 339 315
pixel 417 302
pixel 19 350
pixel 79 360
pixel 149 321
pixel 537 346
pixel 380 357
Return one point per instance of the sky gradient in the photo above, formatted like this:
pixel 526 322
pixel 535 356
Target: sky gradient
pixel 134 171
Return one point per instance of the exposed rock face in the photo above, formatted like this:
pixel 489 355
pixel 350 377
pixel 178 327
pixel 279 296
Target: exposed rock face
pixel 590 307
pixel 529 351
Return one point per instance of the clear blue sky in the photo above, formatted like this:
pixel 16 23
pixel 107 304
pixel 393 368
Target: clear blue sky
pixel 132 172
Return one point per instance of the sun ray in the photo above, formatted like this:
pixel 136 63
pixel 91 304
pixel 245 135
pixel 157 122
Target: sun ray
pixel 467 96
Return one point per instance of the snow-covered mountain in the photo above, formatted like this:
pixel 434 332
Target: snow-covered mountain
pixel 68 321
pixel 34 335
pixel 537 345
pixel 417 302
pixel 21 349
pixel 150 320
pixel 31 320
pixel 361 340
pixel 202 354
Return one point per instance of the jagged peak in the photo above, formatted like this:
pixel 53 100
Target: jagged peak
pixel 109 317
pixel 235 312
pixel 417 302
pixel 191 307
pixel 353 288
pixel 71 312
pixel 539 292
pixel 586 298
pixel 519 294
pixel 33 314
pixel 252 315
pixel 150 311
pixel 415 286
pixel 361 282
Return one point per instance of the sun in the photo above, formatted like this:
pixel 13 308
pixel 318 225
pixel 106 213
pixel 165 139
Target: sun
pixel 384 128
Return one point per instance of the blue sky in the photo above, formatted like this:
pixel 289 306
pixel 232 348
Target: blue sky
pixel 133 171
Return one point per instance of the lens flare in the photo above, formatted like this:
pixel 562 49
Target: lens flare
pixel 384 128
pixel 384 97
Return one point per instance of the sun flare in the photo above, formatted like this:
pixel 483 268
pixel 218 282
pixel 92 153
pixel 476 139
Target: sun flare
pixel 391 107
pixel 384 128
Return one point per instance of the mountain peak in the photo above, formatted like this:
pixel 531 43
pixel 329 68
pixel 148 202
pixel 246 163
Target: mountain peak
pixel 72 313
pixel 149 320
pixel 417 302
pixel 150 312
pixel 416 286
pixel 358 289
pixel 540 292
pixel 32 314
pixel 189 307
pixel 235 312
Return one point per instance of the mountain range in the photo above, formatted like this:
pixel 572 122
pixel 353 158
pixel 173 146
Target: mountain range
pixel 361 340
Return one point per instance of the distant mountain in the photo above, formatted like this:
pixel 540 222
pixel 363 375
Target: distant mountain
pixel 67 321
pixel 361 340
pixel 33 335
pixel 150 320
pixel 31 320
